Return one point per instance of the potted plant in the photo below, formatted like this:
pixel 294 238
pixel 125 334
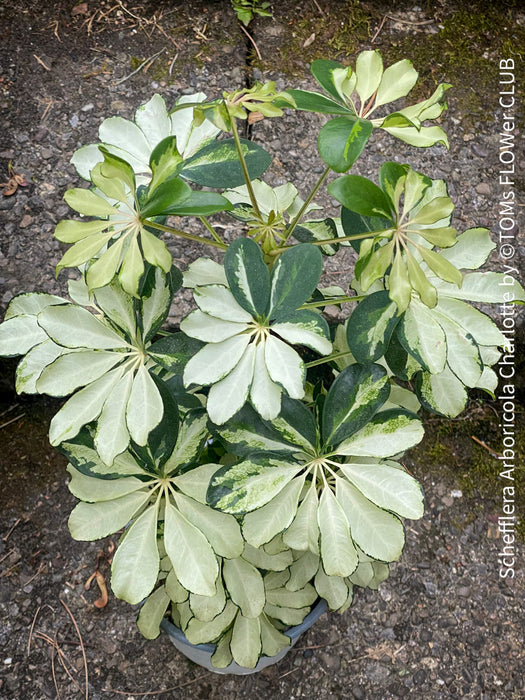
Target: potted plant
pixel 251 457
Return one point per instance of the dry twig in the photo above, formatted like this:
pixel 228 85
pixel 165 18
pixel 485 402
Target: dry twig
pixel 156 692
pixel 39 60
pixel 86 675
pixel 253 42
pixel 148 61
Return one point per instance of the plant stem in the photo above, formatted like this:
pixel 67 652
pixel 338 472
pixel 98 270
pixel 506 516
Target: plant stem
pixel 210 228
pixel 328 241
pixel 244 167
pixel 189 236
pixel 327 302
pixel 307 201
pixel 329 358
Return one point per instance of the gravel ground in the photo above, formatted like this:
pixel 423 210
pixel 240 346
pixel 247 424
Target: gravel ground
pixel 444 625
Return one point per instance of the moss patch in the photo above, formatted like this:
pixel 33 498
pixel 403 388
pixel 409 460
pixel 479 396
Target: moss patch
pixel 450 451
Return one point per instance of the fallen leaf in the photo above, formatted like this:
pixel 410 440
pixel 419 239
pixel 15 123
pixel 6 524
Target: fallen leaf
pixel 103 600
pixel 309 41
pixel 80 9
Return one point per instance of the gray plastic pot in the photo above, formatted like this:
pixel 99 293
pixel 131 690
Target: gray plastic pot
pixel 201 653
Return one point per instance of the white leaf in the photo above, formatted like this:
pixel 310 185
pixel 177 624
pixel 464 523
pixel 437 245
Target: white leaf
pixel 112 435
pixel 153 120
pixel 136 561
pixel 219 302
pixel 338 552
pixel 32 365
pixel 145 408
pixel 215 361
pixel 202 272
pixel 230 394
pixel 19 334
pixel 261 525
pixel 210 329
pixel 75 327
pixel 388 487
pixel 92 521
pixel 265 395
pixel 75 369
pixel 245 586
pixel 191 555
pixel 285 367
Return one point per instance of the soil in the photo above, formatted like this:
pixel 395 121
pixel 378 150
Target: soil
pixel 445 624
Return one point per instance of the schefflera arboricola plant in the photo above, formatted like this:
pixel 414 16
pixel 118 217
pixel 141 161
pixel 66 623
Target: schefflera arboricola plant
pixel 251 461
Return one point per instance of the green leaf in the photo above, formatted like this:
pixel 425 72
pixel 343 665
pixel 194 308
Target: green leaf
pixel 285 598
pixel 369 71
pixel 191 555
pixel 243 487
pixel 308 101
pixel 192 434
pixel 247 275
pixel 262 524
pixel 296 424
pixel 145 408
pixel 332 588
pixel 164 161
pixel 199 204
pixel 441 237
pixel 155 251
pixel 388 487
pixel 206 608
pixel 175 590
pixel 397 81
pixel 305 327
pixel 370 327
pixel 174 351
pixel 419 282
pixel 162 439
pixel 441 267
pixel 217 165
pixel 441 393
pixel 303 533
pixel 356 395
pixel 273 641
pixel 152 612
pixel 198 632
pixel 471 250
pixel 422 337
pixel 422 138
pixel 172 192
pixel 245 586
pixel 70 231
pixel 302 570
pixel 361 196
pixel 75 369
pixel 323 72
pixel 342 140
pixel 93 489
pixel 338 553
pixel 289 616
pixel 294 278
pixel 117 306
pixel 400 290
pixel 269 562
pixel 87 202
pixel 246 641
pixel 85 249
pixel 102 271
pixel 132 268
pixel 220 529
pixel 374 266
pixel 136 562
pixel 82 455
pixel 246 433
pixel 33 364
pixel 320 230
pixel 75 327
pixel 112 436
pixel 387 433
pixel 19 334
pixel 92 521
pixel 378 533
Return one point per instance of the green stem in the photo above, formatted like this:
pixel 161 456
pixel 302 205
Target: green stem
pixel 329 358
pixel 183 234
pixel 306 203
pixel 328 241
pixel 210 228
pixel 327 302
pixel 244 167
